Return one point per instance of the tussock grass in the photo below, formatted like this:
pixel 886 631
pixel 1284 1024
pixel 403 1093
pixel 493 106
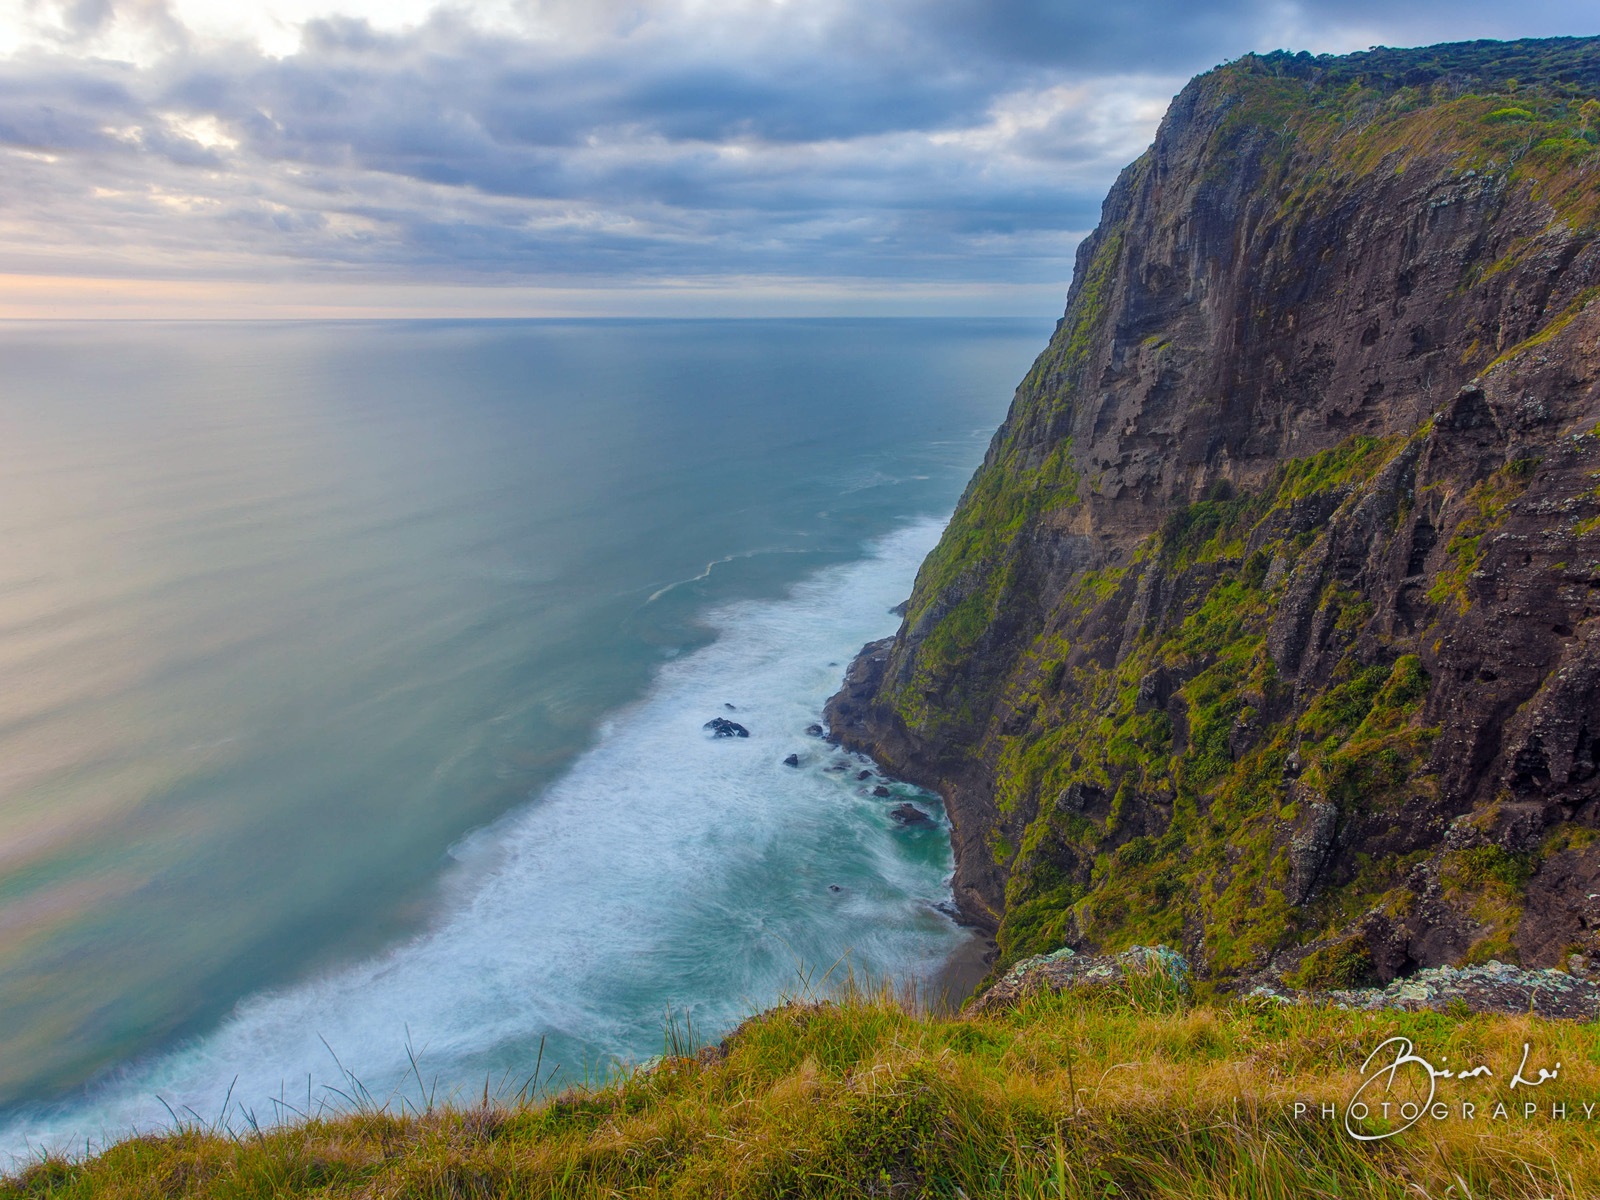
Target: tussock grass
pixel 1130 1092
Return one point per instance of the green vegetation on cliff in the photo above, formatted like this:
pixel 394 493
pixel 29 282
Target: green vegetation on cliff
pixel 1195 659
pixel 1194 724
pixel 1214 753
pixel 1330 122
pixel 997 506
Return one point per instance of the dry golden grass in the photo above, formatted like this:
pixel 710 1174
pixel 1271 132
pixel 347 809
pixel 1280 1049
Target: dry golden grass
pixel 1119 1094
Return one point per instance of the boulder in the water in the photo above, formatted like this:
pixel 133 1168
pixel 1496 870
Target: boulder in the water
pixel 910 814
pixel 729 707
pixel 840 766
pixel 863 775
pixel 814 730
pixel 792 761
pixel 722 727
pixel 880 792
pixel 834 887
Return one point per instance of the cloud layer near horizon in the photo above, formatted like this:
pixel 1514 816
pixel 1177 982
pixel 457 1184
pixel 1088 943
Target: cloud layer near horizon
pixel 905 144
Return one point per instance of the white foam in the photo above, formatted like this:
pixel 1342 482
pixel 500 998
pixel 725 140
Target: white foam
pixel 666 867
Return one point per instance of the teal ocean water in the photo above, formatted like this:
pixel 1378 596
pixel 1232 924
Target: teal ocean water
pixel 354 677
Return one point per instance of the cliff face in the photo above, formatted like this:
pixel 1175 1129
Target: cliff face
pixel 1266 628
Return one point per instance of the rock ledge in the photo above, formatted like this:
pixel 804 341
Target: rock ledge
pixel 1494 987
pixel 1062 970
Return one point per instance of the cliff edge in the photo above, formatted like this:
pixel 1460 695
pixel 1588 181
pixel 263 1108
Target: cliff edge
pixel 1266 628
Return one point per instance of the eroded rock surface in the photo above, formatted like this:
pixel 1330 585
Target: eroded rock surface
pixel 1267 628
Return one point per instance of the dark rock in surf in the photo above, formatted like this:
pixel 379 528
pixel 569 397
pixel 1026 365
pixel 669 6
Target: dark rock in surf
pixel 792 761
pixel 881 792
pixel 723 728
pixel 910 814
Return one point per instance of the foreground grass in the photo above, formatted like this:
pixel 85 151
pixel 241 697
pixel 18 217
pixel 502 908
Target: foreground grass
pixel 1120 1094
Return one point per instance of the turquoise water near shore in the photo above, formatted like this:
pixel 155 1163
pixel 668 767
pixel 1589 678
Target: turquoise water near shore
pixel 355 682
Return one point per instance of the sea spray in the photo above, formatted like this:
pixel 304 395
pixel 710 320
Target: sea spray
pixel 665 869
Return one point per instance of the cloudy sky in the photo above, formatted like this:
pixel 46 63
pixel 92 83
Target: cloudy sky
pixel 284 157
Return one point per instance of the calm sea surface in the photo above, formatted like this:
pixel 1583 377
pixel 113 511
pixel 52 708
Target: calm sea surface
pixel 352 679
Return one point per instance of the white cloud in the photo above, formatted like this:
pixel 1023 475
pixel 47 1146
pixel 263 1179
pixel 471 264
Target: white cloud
pixel 608 144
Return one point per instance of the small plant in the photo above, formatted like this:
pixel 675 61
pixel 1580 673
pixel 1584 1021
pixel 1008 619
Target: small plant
pixel 1341 964
pixel 1589 116
pixel 1481 865
pixel 677 1036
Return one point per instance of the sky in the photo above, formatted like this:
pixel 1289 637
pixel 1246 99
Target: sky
pixel 315 158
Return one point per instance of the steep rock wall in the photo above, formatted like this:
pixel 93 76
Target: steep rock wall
pixel 1266 627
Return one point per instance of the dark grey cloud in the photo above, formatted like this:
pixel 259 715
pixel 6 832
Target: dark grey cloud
pixel 923 140
pixel 1047 35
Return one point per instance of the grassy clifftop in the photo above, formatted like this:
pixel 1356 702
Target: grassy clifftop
pixel 1133 1091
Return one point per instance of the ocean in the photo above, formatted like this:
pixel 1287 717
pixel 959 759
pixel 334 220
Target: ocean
pixel 354 682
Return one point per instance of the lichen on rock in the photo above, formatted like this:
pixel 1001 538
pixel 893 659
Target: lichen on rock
pixel 1493 987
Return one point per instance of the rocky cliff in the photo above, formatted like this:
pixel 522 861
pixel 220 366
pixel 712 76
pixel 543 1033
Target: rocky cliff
pixel 1266 628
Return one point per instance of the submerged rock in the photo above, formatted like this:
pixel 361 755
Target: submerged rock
pixel 863 775
pixel 814 730
pixel 881 792
pixel 792 761
pixel 1063 970
pixel 722 727
pixel 910 814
